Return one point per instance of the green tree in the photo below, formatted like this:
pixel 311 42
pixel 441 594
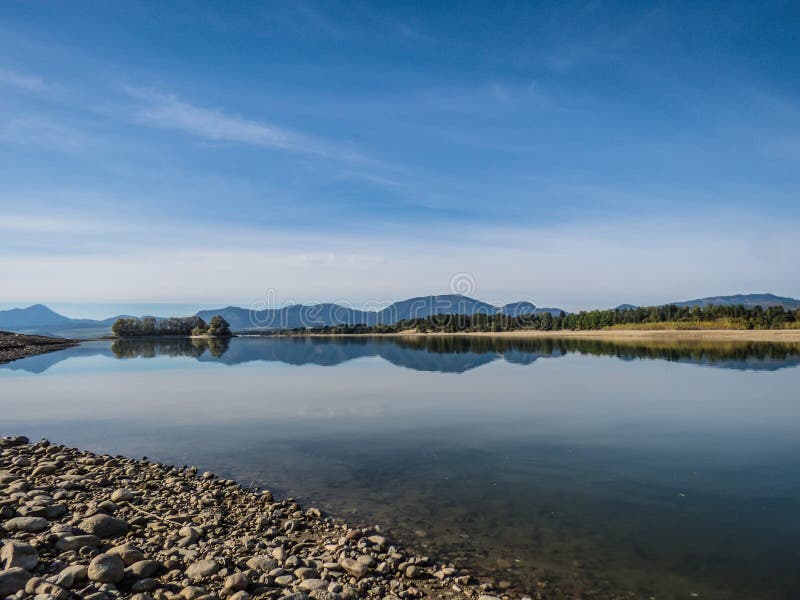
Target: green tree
pixel 219 327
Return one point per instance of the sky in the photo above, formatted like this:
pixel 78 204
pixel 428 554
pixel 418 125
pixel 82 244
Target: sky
pixel 574 154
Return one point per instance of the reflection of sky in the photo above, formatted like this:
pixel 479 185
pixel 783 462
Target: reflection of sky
pixel 572 395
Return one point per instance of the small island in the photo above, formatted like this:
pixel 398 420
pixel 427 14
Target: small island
pixel 174 327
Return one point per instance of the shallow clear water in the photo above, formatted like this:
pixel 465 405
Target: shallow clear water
pixel 607 470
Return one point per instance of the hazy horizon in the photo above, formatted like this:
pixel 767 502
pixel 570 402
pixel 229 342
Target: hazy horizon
pixel 100 311
pixel 573 154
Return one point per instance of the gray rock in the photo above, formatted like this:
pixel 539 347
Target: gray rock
pixel 32 584
pixel 192 592
pixel 56 511
pixel 46 468
pixel 51 590
pixel 13 580
pixel 202 569
pixel 71 575
pixel 128 553
pixel 104 526
pixel 353 567
pixel 284 580
pixel 236 582
pixel 414 572
pixel 76 542
pixel 122 495
pixel 261 563
pixel 326 595
pixel 306 573
pixel 296 596
pixel 106 568
pixel 309 585
pixel 279 554
pixel 144 585
pixel 144 568
pixel 19 554
pixel 26 524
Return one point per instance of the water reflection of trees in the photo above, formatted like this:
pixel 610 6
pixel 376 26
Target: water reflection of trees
pixel 149 348
pixel 459 353
pixel 674 350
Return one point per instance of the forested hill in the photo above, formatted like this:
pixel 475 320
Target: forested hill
pixel 669 316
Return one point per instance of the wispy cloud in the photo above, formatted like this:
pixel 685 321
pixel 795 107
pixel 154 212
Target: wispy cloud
pixel 168 111
pixel 25 81
pixel 37 131
pixel 508 263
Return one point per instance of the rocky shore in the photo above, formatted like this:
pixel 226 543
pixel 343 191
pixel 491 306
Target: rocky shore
pixel 80 525
pixel 14 346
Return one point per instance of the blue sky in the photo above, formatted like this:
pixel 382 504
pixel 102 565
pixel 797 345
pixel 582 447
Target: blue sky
pixel 575 154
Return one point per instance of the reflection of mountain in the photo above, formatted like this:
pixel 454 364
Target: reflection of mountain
pixel 443 354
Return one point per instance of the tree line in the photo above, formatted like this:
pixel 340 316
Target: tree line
pixel 666 316
pixel 173 326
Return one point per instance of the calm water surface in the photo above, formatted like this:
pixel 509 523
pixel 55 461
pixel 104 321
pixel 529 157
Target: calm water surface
pixel 667 471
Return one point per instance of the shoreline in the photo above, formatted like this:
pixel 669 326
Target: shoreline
pixel 14 346
pixel 689 335
pixel 102 527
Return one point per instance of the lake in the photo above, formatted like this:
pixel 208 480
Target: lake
pixel 577 467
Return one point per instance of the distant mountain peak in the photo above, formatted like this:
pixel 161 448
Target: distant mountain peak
pixel 765 300
pixel 34 315
pixel 516 309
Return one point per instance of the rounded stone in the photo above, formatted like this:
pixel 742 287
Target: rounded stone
pixel 144 585
pixel 202 569
pixel 106 568
pixel 19 554
pixel 104 526
pixel 129 553
pixel 145 568
pixel 261 563
pixel 12 581
pixel 121 495
pixel 237 581
pixel 26 524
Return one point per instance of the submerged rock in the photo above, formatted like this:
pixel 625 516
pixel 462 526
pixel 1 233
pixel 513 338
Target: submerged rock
pixel 187 537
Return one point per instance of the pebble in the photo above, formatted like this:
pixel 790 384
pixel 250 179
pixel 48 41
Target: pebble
pixel 104 526
pixel 19 554
pixel 122 495
pixel 202 569
pixel 261 563
pixel 129 553
pixel 144 568
pixel 237 581
pixel 13 580
pixel 106 568
pixel 26 524
pixel 354 567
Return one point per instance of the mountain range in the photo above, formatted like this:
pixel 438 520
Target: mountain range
pixel 320 315
pixel 39 319
pixel 746 300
